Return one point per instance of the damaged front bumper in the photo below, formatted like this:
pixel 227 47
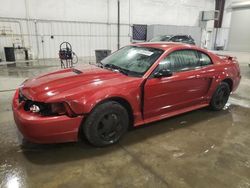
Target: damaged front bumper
pixel 45 129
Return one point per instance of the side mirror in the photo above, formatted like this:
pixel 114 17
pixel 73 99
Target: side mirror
pixel 163 73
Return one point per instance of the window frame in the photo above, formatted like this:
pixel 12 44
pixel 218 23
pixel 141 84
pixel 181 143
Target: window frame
pixel 199 52
pixel 180 51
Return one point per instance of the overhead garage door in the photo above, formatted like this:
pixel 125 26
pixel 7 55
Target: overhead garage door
pixel 239 35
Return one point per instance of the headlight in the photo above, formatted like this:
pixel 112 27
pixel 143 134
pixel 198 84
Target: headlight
pixel 35 108
pixel 49 109
pixel 62 109
pixel 58 108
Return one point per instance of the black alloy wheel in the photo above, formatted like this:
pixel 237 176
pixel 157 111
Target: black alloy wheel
pixel 220 96
pixel 109 127
pixel 106 124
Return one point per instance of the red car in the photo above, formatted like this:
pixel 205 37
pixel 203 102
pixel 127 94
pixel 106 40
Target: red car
pixel 138 84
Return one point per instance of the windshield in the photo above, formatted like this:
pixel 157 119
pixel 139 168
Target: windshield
pixel 132 60
pixel 160 38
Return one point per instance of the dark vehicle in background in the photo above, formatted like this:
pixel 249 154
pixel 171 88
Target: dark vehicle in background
pixel 174 38
pixel 161 38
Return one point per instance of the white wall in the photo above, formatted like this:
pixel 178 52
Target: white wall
pixel 85 37
pixel 171 12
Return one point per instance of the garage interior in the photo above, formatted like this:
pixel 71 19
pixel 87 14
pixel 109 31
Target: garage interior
pixel 201 148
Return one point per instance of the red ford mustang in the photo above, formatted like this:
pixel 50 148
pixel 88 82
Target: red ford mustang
pixel 138 84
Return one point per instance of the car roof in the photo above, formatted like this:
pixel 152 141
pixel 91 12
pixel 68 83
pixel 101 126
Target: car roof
pixel 162 35
pixel 175 35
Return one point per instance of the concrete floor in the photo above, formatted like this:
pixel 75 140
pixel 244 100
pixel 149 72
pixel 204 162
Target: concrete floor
pixel 198 149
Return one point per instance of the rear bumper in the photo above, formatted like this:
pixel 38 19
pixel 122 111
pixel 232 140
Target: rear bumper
pixel 41 129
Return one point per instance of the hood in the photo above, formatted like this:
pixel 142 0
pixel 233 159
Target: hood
pixel 66 82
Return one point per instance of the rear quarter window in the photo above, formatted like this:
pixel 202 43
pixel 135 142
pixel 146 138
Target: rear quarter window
pixel 204 59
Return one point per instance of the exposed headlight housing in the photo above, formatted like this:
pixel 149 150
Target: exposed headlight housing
pixel 58 108
pixel 45 109
pixel 35 108
pixel 48 109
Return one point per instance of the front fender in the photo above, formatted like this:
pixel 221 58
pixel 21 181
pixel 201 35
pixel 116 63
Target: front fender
pixel 89 100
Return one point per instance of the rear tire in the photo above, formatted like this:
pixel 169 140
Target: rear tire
pixel 220 97
pixel 106 124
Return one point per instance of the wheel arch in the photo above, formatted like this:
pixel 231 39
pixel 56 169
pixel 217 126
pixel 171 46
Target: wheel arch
pixel 122 102
pixel 117 99
pixel 229 81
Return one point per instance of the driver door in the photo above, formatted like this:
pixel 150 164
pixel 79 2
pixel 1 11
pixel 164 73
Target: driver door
pixel 183 89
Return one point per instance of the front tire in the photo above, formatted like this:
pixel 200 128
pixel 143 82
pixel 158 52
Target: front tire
pixel 220 97
pixel 106 124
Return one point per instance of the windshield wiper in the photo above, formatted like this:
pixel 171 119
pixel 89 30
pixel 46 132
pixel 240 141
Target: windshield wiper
pixel 115 67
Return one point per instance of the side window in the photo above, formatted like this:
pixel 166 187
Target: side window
pixel 184 38
pixel 182 60
pixel 179 38
pixel 175 38
pixel 204 59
